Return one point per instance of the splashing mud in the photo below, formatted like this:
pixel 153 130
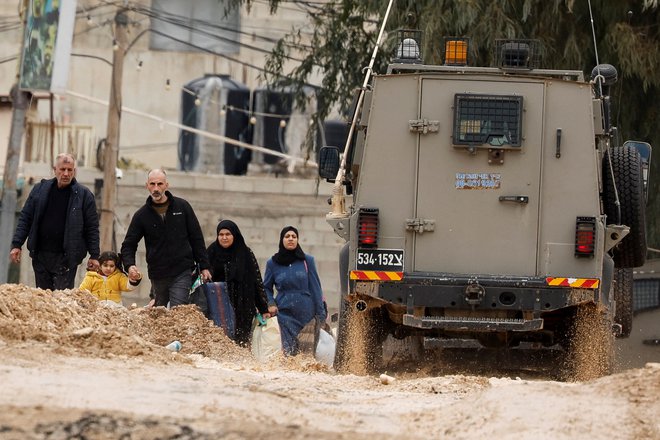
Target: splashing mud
pixel 591 346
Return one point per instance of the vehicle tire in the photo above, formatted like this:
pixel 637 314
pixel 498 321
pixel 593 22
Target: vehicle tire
pixel 627 170
pixel 359 340
pixel 622 290
pixel 589 347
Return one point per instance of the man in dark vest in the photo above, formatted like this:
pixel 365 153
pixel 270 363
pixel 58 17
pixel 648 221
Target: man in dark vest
pixel 61 225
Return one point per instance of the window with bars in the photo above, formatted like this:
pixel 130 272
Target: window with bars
pixel 490 121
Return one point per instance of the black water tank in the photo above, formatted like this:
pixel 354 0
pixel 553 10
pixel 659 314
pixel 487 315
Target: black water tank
pixel 222 107
pixel 272 111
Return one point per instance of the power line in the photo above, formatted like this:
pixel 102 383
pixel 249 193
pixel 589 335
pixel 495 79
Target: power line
pixel 195 25
pixel 203 49
pixel 197 131
pixel 9 58
pixel 181 21
pixel 198 30
pixel 175 20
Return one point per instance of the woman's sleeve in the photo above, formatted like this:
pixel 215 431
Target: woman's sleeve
pixel 260 299
pixel 269 279
pixel 315 288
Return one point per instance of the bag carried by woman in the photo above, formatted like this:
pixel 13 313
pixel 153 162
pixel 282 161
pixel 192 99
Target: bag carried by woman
pixel 220 309
pixel 266 338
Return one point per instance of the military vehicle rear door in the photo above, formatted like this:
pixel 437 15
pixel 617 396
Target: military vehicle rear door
pixel 478 177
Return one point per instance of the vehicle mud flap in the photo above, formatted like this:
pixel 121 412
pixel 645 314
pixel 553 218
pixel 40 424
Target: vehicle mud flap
pixel 343 270
pixel 622 292
pixel 627 168
pixel 606 280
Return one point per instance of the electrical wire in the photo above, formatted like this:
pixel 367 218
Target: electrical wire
pixel 184 20
pixel 197 131
pixel 191 24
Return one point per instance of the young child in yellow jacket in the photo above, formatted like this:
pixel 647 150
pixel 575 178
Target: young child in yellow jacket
pixel 109 282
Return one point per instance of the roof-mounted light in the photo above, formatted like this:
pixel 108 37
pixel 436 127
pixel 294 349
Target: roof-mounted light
pixel 456 51
pixel 408 46
pixel 518 54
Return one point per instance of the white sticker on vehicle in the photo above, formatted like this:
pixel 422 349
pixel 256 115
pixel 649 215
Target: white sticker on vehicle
pixel 478 180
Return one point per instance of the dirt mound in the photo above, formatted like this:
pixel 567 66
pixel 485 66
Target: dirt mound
pixel 74 322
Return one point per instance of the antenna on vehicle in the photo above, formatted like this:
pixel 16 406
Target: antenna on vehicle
pixel 338 202
pixel 600 79
pixel 593 34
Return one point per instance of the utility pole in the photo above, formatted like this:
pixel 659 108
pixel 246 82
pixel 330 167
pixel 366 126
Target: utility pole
pixel 109 194
pixel 8 200
pixel 20 104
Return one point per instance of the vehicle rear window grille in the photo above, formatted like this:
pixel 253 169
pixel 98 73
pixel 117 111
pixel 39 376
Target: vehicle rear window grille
pixel 487 120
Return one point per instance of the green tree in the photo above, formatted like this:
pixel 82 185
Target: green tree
pixel 626 33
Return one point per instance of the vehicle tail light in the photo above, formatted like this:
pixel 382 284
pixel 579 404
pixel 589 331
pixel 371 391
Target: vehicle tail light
pixel 585 236
pixel 368 227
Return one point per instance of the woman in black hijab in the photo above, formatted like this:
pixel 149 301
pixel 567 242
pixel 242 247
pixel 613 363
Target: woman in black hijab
pixel 234 263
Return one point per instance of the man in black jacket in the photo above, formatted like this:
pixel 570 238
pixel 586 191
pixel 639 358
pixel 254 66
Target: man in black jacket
pixel 61 225
pixel 173 240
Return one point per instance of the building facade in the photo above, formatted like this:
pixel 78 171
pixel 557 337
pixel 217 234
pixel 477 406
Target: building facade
pixel 168 44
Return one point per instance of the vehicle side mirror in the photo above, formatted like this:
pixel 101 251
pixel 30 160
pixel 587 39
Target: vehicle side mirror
pixel 645 150
pixel 328 163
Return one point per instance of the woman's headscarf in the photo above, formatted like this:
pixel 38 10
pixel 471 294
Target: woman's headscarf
pixel 234 258
pixel 284 256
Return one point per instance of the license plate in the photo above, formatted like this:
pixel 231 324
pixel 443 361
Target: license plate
pixel 388 260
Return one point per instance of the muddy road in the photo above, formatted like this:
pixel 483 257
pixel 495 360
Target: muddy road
pixel 70 368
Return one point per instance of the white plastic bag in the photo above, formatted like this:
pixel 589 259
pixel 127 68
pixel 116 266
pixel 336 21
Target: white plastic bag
pixel 325 349
pixel 266 339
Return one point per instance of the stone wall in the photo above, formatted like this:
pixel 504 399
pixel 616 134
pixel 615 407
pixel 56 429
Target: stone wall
pixel 261 206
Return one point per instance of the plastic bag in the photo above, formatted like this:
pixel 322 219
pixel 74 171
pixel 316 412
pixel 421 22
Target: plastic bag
pixel 196 295
pixel 198 298
pixel 325 349
pixel 266 339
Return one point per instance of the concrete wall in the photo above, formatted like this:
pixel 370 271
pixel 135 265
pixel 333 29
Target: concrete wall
pixel 261 206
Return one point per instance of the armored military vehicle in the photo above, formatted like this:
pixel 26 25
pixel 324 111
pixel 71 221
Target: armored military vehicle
pixel 491 209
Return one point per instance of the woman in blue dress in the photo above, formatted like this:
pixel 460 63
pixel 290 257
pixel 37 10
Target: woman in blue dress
pixel 293 288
